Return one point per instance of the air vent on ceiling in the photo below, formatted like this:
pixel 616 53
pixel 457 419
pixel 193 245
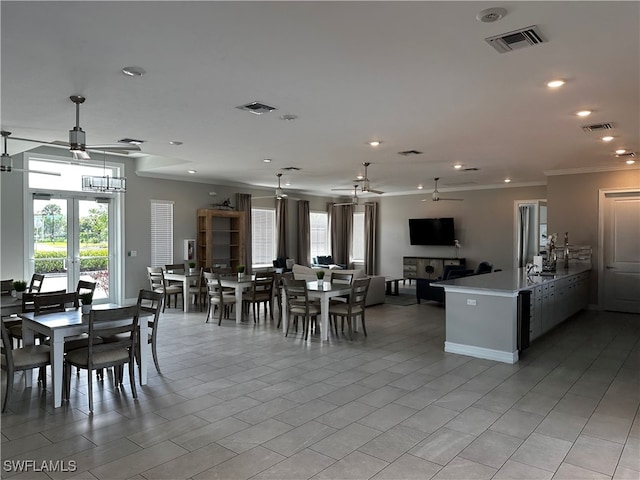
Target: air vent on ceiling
pixel 627 155
pixel 257 108
pixel 598 127
pixel 525 37
pixel 131 141
pixel 406 153
pixel 290 169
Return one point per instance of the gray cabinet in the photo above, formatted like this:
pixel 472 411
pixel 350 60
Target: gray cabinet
pixel 427 267
pixel 556 300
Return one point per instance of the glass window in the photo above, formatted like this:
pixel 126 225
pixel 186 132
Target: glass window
pixel 357 246
pixel 319 233
pixel 161 232
pixel 70 178
pixel 263 236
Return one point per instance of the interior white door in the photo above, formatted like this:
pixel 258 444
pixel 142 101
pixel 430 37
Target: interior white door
pixel 621 251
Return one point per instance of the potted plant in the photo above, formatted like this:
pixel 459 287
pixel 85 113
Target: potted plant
pixel 240 270
pixel 87 300
pixel 192 267
pixel 20 286
pixel 320 277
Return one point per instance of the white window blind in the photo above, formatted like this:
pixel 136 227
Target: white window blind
pixel 263 236
pixel 357 246
pixel 161 232
pixel 319 233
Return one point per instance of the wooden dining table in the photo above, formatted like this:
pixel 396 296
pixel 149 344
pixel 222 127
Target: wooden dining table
pixel 10 305
pixel 71 322
pixel 325 293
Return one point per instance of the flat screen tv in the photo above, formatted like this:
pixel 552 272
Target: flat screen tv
pixel 431 231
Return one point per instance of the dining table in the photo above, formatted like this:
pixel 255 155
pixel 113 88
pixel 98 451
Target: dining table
pixel 325 291
pixel 239 285
pixel 186 279
pixel 71 322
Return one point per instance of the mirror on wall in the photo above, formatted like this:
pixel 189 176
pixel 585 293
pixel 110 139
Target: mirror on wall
pixel 531 230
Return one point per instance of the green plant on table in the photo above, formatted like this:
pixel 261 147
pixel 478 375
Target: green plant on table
pixel 20 286
pixel 240 268
pixel 86 298
pixel 320 274
pixel 192 264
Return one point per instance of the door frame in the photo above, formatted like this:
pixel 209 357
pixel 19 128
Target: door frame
pixel 602 193
pixel 116 230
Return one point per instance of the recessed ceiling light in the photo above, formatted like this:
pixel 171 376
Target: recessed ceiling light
pixel 287 184
pixel 608 138
pixel 620 151
pixel 630 162
pixel 360 177
pixel 583 113
pixel 507 180
pixel 134 71
pixel 374 143
pixel 420 187
pixel 175 142
pixel 555 83
pixel 266 160
pixel 457 166
pixel 191 171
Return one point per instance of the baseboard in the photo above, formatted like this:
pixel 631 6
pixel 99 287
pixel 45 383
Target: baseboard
pixel 480 352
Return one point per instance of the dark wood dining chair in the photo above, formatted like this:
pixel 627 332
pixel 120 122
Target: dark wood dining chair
pixel 35 285
pixel 159 284
pixel 354 308
pixel 219 298
pixel 298 305
pixel 55 302
pixel 20 359
pixel 261 293
pixel 120 323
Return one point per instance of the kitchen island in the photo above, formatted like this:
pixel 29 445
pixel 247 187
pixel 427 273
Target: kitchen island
pixel 496 315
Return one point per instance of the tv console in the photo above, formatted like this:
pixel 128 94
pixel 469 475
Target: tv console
pixel 427 267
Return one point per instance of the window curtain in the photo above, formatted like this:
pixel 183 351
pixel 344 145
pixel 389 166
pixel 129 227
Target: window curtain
pixel 243 204
pixel 341 227
pixel 370 235
pixel 304 234
pixel 282 227
pixel 524 211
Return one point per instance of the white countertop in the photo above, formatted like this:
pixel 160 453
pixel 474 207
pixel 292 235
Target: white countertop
pixel 509 281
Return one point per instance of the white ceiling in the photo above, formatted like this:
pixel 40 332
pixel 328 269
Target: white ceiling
pixel 415 75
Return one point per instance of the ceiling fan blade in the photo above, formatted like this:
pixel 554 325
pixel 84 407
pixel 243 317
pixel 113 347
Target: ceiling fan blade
pixel 455 199
pixel 22 170
pixel 371 190
pixel 127 147
pixel 262 198
pixel 342 189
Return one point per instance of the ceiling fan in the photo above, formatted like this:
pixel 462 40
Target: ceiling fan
pixel 354 198
pixel 6 165
pixel 279 193
pixel 435 196
pixel 77 138
pixel 364 182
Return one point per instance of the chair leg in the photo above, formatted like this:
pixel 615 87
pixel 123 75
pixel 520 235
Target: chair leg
pixel 132 378
pixel 8 391
pixel 222 309
pixel 364 326
pixel 90 387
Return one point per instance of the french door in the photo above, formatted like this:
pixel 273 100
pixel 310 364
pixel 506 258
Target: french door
pixel 73 240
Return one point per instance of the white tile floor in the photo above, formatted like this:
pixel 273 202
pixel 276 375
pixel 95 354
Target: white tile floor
pixel 242 401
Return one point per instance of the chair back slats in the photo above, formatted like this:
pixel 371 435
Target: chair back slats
pixel 342 278
pixel 359 289
pixel 28 304
pixel 56 302
pixel 35 285
pixel 175 268
pixel 85 286
pixel 150 302
pixel 126 319
pixel 7 347
pixel 6 286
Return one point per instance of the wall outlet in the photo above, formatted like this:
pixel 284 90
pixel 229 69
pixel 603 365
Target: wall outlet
pixel 133 253
pixel 471 301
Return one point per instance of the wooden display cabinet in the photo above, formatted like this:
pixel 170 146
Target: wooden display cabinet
pixel 221 238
